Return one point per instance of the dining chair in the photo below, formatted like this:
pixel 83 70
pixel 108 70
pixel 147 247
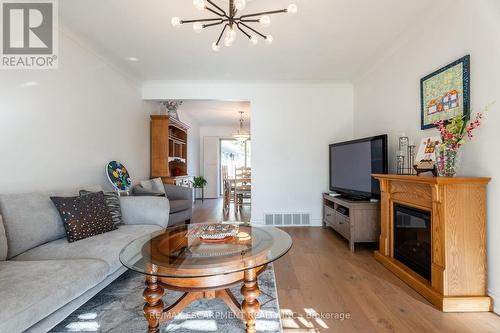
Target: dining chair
pixel 242 187
pixel 226 188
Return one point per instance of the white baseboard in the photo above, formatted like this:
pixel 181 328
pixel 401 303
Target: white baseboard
pixel 496 301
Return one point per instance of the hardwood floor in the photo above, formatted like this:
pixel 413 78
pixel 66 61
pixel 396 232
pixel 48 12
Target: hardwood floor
pixel 320 275
pixel 210 210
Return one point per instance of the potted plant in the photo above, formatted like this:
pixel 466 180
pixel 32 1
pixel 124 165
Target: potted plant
pixel 454 134
pixel 200 182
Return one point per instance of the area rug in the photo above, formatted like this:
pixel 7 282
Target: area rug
pixel 118 308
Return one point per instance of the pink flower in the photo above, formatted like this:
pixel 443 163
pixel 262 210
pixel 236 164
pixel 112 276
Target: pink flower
pixel 454 136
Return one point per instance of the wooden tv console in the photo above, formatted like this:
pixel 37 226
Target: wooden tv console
pixel 361 224
pixel 457 208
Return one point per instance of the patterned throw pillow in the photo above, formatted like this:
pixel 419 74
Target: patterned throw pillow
pixel 113 204
pixel 84 216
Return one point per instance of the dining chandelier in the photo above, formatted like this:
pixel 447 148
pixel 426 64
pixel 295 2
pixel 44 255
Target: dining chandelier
pixel 231 21
pixel 241 135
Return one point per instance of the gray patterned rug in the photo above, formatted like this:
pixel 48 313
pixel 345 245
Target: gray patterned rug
pixel 118 308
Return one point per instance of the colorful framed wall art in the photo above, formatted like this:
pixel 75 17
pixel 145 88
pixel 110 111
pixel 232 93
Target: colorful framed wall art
pixel 445 93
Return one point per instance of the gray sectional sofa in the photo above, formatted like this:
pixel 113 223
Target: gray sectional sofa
pixel 43 278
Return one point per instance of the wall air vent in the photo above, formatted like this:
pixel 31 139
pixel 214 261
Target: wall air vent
pixel 287 219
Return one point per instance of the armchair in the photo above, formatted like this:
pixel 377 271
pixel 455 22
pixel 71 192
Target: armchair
pixel 180 202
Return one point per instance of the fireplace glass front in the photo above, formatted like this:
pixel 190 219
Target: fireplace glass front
pixel 412 239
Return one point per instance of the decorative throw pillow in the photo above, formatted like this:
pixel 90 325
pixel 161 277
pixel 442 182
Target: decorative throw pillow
pixel 113 204
pixel 84 216
pixel 154 185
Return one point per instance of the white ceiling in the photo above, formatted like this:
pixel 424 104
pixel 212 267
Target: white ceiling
pixel 326 40
pixel 215 113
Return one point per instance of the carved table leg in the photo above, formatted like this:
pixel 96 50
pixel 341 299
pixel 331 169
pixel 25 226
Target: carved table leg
pixel 250 306
pixel 153 308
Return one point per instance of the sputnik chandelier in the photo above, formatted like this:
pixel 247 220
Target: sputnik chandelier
pixel 231 21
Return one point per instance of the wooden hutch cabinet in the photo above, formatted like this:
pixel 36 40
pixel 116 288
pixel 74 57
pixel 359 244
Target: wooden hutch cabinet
pixel 168 149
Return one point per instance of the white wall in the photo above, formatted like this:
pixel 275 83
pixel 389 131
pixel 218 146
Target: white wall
pixel 59 128
pixel 387 98
pixel 292 125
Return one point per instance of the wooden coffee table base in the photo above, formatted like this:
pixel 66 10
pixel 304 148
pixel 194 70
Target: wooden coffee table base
pixel 202 288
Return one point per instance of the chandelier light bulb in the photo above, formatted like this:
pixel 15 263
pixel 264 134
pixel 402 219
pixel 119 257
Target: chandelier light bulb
pixel 254 40
pixel 228 42
pixel 215 47
pixel 176 22
pixel 197 27
pixel 199 4
pixel 265 21
pixel 269 39
pixel 231 33
pixel 292 9
pixel 240 4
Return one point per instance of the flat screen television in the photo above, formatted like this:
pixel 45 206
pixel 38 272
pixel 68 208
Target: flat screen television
pixel 353 162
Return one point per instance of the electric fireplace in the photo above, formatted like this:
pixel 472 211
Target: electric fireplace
pixel 412 239
pixel 433 237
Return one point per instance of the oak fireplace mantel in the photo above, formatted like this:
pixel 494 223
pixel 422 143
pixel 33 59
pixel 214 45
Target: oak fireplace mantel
pixel 457 208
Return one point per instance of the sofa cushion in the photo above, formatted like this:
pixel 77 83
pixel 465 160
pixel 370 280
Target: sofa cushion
pixel 145 210
pixel 105 247
pixel 31 219
pixel 141 192
pixel 33 290
pixel 179 205
pixel 84 216
pixel 3 241
pixel 153 185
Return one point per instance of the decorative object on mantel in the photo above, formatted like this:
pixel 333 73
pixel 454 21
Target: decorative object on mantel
pixel 232 22
pixel 454 135
pixel 172 107
pixel 445 94
pixel 426 156
pixel 241 135
pixel 405 157
pixel 118 176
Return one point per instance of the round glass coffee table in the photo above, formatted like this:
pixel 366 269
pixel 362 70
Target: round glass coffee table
pixel 203 269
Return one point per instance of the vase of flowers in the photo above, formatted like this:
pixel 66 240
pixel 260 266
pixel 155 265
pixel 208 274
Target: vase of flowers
pixel 454 134
pixel 447 160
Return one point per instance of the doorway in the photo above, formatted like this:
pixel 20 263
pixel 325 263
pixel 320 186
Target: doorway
pixel 233 154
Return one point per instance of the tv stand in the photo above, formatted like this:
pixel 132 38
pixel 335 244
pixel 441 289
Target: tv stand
pixel 355 220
